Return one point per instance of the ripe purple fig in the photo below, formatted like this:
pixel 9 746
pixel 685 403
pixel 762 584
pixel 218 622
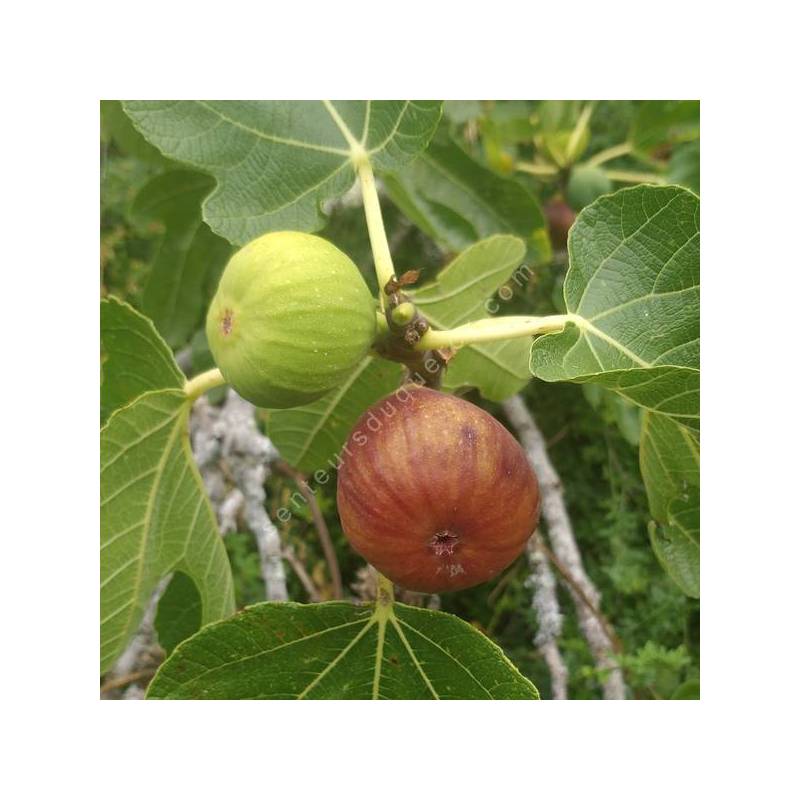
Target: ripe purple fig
pixel 434 492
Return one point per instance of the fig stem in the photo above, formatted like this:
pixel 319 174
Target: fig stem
pixel 493 329
pixel 541 170
pixel 202 383
pixel 381 255
pixel 385 594
pixel 609 154
pixel 624 176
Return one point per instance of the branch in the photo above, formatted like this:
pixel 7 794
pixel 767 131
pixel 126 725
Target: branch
pixel 141 654
pixel 125 680
pixel 548 613
pixel 228 439
pixel 299 569
pixel 319 523
pixel 559 528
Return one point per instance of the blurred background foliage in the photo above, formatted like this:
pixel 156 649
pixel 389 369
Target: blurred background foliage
pixel 565 154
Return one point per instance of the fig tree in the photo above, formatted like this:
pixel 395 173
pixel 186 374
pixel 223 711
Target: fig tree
pixel 291 318
pixel 434 492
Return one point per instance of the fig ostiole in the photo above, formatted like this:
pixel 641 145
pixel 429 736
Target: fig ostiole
pixel 291 318
pixel 434 492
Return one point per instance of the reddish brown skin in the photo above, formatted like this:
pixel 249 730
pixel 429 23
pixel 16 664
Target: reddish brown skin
pixel 434 492
pixel 561 218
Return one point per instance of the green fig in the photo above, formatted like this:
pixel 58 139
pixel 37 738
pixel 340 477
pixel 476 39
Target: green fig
pixel 585 185
pixel 292 317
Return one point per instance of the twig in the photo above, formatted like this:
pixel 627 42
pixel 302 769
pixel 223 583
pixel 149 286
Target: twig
pixel 226 441
pixel 575 587
pixel 319 523
pixel 548 613
pixel 302 574
pixel 565 548
pixel 140 649
pixel 124 680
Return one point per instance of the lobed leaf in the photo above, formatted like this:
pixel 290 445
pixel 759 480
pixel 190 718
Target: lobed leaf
pixel 275 162
pixel 632 292
pixel 676 543
pixel 669 458
pixel 457 201
pixel 284 651
pixel 134 358
pixel 190 256
pixel 154 518
pixel 310 437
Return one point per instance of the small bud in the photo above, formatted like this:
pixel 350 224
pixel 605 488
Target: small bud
pixel 403 314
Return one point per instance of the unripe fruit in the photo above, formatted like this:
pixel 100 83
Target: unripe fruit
pixel 292 317
pixel 434 492
pixel 585 185
pixel 403 314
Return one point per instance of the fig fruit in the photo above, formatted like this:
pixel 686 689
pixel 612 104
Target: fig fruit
pixel 292 317
pixel 585 185
pixel 560 218
pixel 434 492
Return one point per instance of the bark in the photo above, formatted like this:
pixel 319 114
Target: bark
pixel 227 440
pixel 562 539
pixel 548 613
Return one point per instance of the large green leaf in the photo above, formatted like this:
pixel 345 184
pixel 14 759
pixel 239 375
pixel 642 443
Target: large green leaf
pixel 284 651
pixel 457 201
pixel 460 294
pixel 309 437
pixel 632 293
pixel 275 162
pixel 154 518
pixel 135 359
pixel 669 457
pixel 189 258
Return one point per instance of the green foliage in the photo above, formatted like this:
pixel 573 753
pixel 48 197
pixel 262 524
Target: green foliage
pixel 276 162
pixel 670 463
pixel 154 518
pixel 461 293
pixel 660 123
pixel 456 201
pixel 180 612
pixel 634 262
pixel 586 184
pixel 133 357
pixel 684 166
pixel 658 668
pixel 625 442
pixel 310 437
pixel 339 651
pixel 189 257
